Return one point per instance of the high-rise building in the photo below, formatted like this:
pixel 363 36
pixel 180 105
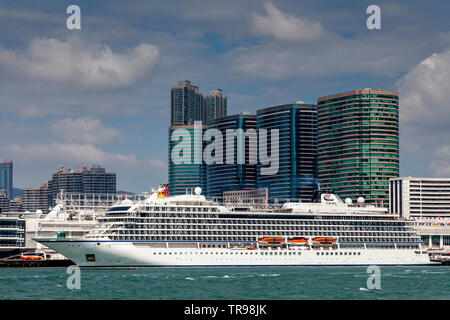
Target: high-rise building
pixel 296 177
pixel 95 180
pixel 34 199
pixel 187 169
pixel 358 143
pixel 234 171
pixel 215 106
pixel 187 104
pixel 6 178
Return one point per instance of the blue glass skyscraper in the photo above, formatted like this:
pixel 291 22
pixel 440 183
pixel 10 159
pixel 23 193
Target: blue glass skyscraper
pixel 296 178
pixel 236 172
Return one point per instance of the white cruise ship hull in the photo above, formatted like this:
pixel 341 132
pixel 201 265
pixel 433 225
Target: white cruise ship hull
pixel 122 254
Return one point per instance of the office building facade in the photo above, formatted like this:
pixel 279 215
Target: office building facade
pixel 6 178
pixel 234 170
pixel 358 143
pixel 296 178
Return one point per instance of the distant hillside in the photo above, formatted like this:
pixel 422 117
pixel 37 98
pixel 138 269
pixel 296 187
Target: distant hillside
pixel 126 192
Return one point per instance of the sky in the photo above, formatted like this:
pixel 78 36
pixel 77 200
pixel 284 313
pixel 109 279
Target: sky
pixel 101 95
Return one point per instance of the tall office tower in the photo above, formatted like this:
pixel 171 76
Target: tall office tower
pixel 36 198
pixel 96 180
pixel 187 104
pixel 359 143
pixel 187 169
pixel 215 106
pixel 6 178
pixel 296 178
pixel 234 170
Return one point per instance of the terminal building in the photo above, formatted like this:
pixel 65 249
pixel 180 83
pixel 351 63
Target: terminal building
pixel 420 197
pixel 427 201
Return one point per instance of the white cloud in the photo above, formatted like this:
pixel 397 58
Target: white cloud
pixel 440 165
pixel 157 163
pixel 84 130
pixel 72 153
pixel 425 93
pixel 79 64
pixel 284 26
pixel 425 112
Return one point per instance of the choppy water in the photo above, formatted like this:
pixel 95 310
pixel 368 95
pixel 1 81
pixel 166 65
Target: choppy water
pixel 271 283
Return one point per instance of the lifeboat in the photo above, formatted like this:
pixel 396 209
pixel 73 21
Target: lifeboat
pixel 298 240
pixel 324 240
pixel 31 257
pixel 272 240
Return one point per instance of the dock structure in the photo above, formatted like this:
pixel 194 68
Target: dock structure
pixel 442 257
pixel 18 263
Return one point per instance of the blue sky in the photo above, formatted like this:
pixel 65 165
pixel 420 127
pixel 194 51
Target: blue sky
pixel 101 95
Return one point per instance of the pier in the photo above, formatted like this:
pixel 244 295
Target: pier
pixel 18 263
pixel 442 257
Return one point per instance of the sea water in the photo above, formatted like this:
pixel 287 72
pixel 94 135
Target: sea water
pixel 261 283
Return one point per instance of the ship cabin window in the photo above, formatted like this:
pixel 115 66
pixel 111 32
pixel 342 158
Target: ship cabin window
pixel 90 257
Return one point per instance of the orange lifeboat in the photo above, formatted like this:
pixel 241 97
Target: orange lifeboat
pixel 324 240
pixel 272 240
pixel 298 240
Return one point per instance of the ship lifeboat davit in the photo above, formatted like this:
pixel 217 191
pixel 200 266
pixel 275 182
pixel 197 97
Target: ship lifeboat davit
pixel 271 240
pixel 298 241
pixel 324 240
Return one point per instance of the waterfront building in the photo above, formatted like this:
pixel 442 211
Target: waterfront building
pixel 215 106
pixel 12 235
pixel 6 178
pixel 187 104
pixel 186 170
pixel 358 143
pixel 296 177
pixel 254 197
pixel 235 170
pixel 412 197
pixel 83 180
pixel 38 198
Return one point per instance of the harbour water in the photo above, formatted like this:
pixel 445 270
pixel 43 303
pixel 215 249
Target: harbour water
pixel 236 283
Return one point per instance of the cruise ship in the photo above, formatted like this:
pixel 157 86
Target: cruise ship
pixel 193 231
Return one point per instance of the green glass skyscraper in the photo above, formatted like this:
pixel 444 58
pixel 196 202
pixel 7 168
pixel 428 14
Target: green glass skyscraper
pixel 358 143
pixel 187 169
